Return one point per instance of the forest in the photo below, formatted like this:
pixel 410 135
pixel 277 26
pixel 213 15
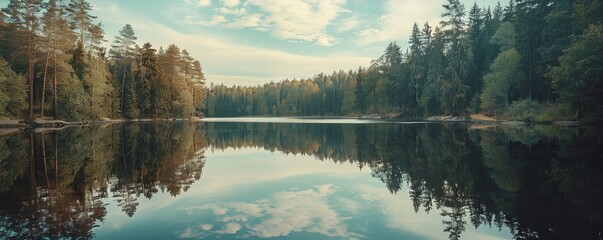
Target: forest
pixel 53 64
pixel 531 60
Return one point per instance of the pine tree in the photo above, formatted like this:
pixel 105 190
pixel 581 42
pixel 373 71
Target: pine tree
pixel 149 85
pixel 453 88
pixel 81 19
pixel 579 77
pixel 24 15
pixel 122 52
pixel 476 35
pixel 416 62
pixel 57 42
pixel 198 84
pixel 12 91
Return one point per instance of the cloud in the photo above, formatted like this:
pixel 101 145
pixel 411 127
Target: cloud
pixel 230 228
pixel 305 20
pixel 396 23
pixel 286 212
pixel 207 227
pixel 199 3
pixel 230 3
pixel 301 20
pixel 232 11
pixel 348 24
pixel 215 20
pixel 255 21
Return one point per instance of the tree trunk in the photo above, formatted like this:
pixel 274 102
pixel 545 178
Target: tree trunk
pixel 54 83
pixel 30 70
pixel 123 80
pixel 44 84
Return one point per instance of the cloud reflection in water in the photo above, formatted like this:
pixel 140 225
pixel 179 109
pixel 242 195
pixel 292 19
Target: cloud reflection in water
pixel 310 210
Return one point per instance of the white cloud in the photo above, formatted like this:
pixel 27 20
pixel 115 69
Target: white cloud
pixel 230 3
pixel 255 21
pixel 199 3
pixel 348 24
pixel 301 20
pixel 305 210
pixel 207 227
pixel 396 23
pixel 232 11
pixel 215 20
pixel 230 228
pixel 304 20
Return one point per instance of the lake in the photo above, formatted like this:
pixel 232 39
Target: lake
pixel 282 178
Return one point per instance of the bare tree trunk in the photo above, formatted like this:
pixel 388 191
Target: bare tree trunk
pixel 56 105
pixel 44 159
pixel 30 70
pixel 123 80
pixel 44 85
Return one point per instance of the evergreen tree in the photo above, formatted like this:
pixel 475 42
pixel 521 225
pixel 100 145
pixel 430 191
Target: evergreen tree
pixel 416 62
pixel 434 52
pixel 476 31
pixel 150 89
pixel 579 77
pixel 24 15
pixel 12 91
pixel 57 41
pixel 529 23
pixel 453 87
pixel 361 91
pixel 122 52
pixel 81 19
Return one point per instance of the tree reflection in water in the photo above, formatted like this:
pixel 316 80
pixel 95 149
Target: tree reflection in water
pixel 52 185
pixel 542 182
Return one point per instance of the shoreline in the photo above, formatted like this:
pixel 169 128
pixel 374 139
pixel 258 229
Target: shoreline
pixel 8 124
pixel 60 124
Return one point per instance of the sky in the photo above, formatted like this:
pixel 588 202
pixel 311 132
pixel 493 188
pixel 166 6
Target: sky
pixel 251 42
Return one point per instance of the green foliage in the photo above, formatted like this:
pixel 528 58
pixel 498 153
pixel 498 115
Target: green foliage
pixel 97 85
pixel 74 102
pixel 579 77
pixel 501 82
pixel 504 37
pixel 454 85
pixel 12 91
pixel 527 110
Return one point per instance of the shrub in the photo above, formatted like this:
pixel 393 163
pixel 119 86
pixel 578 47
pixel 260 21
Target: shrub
pixel 528 110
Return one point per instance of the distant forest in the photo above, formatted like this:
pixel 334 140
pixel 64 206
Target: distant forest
pixel 532 60
pixel 57 67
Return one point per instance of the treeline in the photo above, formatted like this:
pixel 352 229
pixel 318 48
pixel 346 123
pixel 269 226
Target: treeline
pixel 53 64
pixel 530 60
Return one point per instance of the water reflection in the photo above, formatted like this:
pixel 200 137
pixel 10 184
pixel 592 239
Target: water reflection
pixel 54 184
pixel 540 182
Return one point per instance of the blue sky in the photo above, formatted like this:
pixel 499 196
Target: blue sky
pixel 249 42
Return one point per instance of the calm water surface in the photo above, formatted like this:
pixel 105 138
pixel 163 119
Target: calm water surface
pixel 302 179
